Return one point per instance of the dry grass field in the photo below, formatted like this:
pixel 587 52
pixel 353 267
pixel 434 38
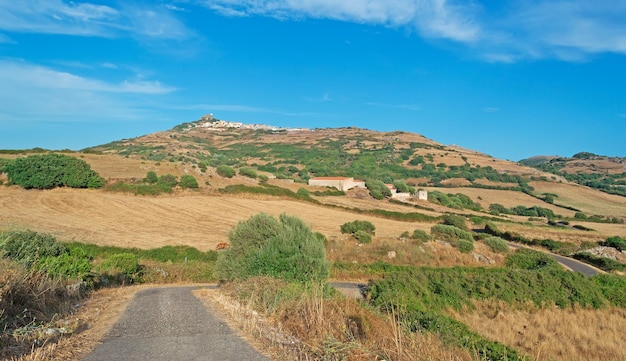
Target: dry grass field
pixel 194 219
pixel 572 334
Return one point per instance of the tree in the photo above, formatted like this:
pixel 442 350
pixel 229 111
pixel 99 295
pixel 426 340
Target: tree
pixel 283 248
pixel 46 171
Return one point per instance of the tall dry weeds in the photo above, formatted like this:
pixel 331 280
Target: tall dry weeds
pixel 552 333
pixel 313 325
pixel 30 303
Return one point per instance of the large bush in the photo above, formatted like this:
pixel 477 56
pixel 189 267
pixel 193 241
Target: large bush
pixel 46 171
pixel 455 220
pixel 378 189
pixel 28 247
pixel 449 233
pixel 188 181
pixel 225 171
pixel 283 248
pixel 355 226
pixel 496 244
pixel 248 172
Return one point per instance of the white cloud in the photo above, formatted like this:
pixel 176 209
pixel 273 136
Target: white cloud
pixel 88 19
pixel 29 92
pixel 445 19
pixel 24 75
pixel 503 32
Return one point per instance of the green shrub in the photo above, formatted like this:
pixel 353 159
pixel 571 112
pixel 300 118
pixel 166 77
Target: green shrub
pixel 465 246
pixel 355 226
pixel 121 265
pixel 420 235
pixel 303 192
pixel 363 237
pixel 225 171
pixel 168 180
pixel 283 248
pixel 188 181
pixel 72 265
pixel 496 244
pixel 46 171
pixel 455 220
pixel 616 242
pixel 529 259
pixel 151 177
pixel 263 178
pixel 28 247
pixel 378 189
pixel 202 165
pixel 248 172
pixel 603 263
pixel 449 233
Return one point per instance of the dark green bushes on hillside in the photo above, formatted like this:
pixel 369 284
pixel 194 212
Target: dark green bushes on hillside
pixel 48 171
pixel 282 248
pixel 456 201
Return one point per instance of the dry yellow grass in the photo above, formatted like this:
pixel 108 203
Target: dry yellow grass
pixel 317 328
pixel 552 334
pixel 194 219
pixel 587 200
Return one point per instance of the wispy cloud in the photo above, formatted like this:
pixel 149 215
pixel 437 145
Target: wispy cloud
pixel 31 91
pixel 506 32
pixel 20 75
pixel 623 115
pixel 491 110
pixel 433 18
pixel 88 19
pixel 396 106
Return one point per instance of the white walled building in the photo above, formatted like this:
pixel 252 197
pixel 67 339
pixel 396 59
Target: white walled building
pixel 341 183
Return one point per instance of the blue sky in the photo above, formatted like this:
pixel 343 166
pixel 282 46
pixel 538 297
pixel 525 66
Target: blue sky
pixel 512 79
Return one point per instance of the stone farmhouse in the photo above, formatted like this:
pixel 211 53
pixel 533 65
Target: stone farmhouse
pixel 341 183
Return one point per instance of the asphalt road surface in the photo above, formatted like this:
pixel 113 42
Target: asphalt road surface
pixel 570 263
pixel 171 324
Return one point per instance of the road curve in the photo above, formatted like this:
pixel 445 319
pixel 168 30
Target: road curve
pixel 170 323
pixel 570 263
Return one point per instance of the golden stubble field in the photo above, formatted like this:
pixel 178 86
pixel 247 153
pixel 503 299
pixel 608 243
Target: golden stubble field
pixel 194 219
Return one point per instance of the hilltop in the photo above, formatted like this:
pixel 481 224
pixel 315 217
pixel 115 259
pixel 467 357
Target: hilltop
pixel 303 153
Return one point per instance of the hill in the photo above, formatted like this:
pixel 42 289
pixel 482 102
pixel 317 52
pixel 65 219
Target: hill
pixel 607 174
pixel 459 180
pixel 303 153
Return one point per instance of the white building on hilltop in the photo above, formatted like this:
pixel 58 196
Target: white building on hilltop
pixel 341 183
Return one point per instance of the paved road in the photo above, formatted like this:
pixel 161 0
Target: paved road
pixel 171 324
pixel 570 263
